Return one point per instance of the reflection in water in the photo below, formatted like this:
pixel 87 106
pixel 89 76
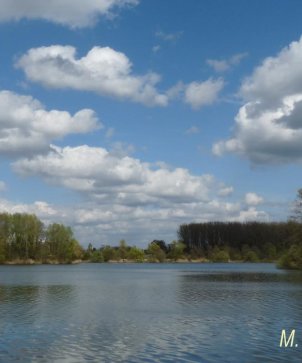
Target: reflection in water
pixel 242 314
pixel 148 313
pixel 26 312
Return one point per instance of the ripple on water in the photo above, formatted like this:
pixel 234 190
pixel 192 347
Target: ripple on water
pixel 124 314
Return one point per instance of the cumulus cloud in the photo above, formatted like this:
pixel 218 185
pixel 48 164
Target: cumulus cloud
pixel 118 178
pixel 123 197
pixel 253 199
pixel 269 124
pixel 225 191
pixel 103 70
pixel 41 208
pixel 222 65
pixel 26 127
pixel 73 13
pixel 103 222
pixel 252 214
pixel 199 94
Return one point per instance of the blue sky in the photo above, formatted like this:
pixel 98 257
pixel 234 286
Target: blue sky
pixel 126 118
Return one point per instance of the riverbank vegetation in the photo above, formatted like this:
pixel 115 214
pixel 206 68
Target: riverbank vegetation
pixel 25 240
pixel 250 241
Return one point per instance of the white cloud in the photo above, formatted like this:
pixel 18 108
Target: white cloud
pixel 199 94
pixel 223 65
pixel 269 124
pixel 218 65
pixel 123 197
pixel 252 214
pixel 104 174
pixel 103 70
pixel 225 191
pixel 26 127
pixel 253 199
pixel 156 48
pixel 121 149
pixel 102 223
pixel 73 13
pixel 192 130
pixel 169 37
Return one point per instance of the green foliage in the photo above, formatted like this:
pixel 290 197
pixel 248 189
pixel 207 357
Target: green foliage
pixel 269 251
pixel 196 253
pixel 251 256
pixel 235 254
pixel 162 245
pixel 61 243
pixel 292 259
pixel 176 250
pixel 25 232
pixel 122 250
pixel 297 208
pixel 136 254
pixel 23 237
pixel 155 253
pixel 97 256
pixel 109 253
pixel 220 255
pixel 267 240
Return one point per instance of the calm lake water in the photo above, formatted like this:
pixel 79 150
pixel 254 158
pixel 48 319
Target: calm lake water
pixel 149 313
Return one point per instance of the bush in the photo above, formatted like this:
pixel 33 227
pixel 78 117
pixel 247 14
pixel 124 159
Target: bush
pixel 109 253
pixel 251 256
pixel 97 256
pixel 220 256
pixel 136 254
pixel 176 250
pixel 292 259
pixel 155 253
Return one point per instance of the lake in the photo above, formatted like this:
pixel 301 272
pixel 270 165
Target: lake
pixel 149 313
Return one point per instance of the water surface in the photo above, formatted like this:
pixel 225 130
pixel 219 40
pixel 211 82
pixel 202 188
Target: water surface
pixel 149 313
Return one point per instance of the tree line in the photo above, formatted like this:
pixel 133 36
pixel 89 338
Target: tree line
pixel 157 251
pixel 249 241
pixel 24 237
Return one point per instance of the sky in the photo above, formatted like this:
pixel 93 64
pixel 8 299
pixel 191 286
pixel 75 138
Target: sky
pixel 127 118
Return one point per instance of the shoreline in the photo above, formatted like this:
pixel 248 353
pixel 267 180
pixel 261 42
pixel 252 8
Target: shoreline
pixel 31 262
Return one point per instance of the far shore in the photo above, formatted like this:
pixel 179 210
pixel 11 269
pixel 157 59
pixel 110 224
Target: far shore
pixel 121 261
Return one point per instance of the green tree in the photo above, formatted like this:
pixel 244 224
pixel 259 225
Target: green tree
pixel 62 245
pixel 136 254
pixel 97 256
pixel 269 251
pixel 122 249
pixel 5 246
pixel 155 253
pixel 176 250
pixel 25 236
pixel 292 259
pixel 251 256
pixel 108 253
pixel 297 207
pixel 218 255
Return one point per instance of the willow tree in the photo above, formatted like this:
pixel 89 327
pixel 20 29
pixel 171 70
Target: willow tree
pixel 297 208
